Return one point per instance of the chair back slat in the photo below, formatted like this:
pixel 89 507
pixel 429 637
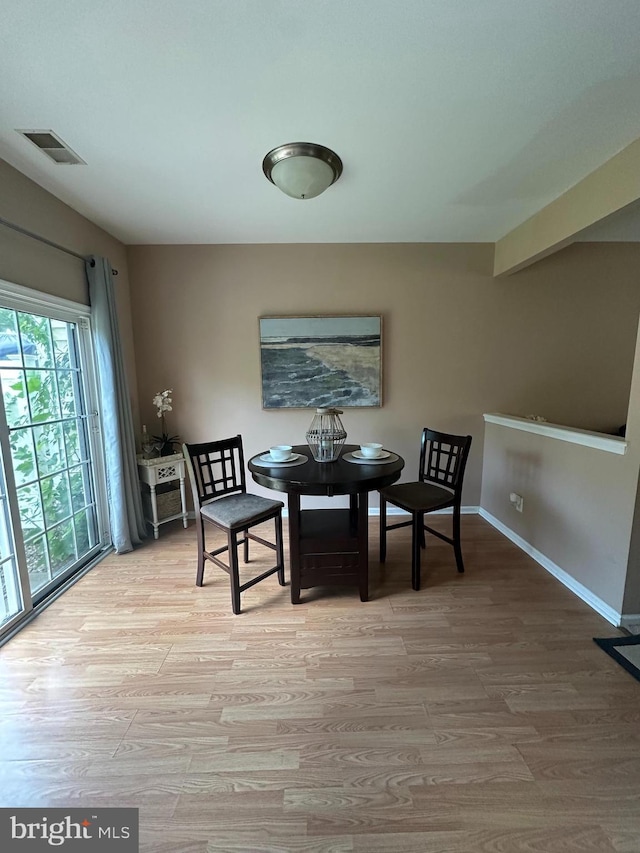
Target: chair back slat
pixel 443 458
pixel 215 468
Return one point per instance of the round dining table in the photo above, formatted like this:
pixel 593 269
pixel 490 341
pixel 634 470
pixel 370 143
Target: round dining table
pixel 327 547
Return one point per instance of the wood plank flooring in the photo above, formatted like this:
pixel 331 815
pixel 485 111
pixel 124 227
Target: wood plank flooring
pixel 474 716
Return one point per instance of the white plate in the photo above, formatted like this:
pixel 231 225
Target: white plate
pixel 266 457
pixel 384 454
pixel 359 460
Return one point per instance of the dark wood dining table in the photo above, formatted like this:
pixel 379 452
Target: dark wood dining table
pixel 328 547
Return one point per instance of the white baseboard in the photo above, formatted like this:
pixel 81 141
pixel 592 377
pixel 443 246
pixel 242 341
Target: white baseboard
pixel 567 580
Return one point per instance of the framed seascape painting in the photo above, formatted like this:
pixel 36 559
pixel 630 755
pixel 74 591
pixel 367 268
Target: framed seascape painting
pixel 326 360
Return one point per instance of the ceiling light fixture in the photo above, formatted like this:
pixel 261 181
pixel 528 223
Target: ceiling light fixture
pixel 302 169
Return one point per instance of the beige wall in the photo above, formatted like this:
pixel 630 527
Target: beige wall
pixel 29 263
pixel 631 604
pixel 581 505
pixel 578 504
pixel 555 340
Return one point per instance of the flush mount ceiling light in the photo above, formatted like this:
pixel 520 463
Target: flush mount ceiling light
pixel 302 169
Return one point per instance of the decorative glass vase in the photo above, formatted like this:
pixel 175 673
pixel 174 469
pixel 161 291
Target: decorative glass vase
pixel 147 446
pixel 326 435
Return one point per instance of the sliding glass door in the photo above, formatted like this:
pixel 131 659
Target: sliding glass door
pixel 53 482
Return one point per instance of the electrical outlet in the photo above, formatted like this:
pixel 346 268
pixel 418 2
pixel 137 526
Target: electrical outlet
pixel 517 501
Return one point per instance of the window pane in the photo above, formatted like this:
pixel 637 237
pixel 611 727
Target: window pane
pixel 43 395
pixel 23 455
pixel 10 598
pixel 9 339
pixel 37 563
pixel 62 551
pixel 86 536
pixel 35 333
pixel 15 398
pixel 56 499
pixel 49 448
pixel 72 442
pixel 60 332
pixel 30 510
pixel 80 495
pixel 67 395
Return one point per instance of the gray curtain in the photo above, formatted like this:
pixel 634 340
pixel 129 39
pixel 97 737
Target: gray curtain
pixel 125 505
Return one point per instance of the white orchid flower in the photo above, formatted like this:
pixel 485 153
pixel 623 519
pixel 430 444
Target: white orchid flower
pixel 162 401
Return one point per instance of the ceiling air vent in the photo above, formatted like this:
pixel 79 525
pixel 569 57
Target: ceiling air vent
pixel 53 147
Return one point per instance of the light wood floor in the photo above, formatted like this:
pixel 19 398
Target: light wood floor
pixel 476 716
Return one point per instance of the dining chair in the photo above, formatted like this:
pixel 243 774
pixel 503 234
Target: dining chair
pixel 443 458
pixel 217 476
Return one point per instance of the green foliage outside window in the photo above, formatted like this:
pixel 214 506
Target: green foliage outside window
pixel 42 398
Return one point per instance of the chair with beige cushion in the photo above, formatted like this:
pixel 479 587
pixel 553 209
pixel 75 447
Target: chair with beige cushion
pixel 217 475
pixel 443 458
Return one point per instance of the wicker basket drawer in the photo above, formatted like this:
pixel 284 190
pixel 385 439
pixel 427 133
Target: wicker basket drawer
pixel 168 503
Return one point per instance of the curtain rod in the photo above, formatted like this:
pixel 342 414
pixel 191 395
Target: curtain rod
pixel 33 236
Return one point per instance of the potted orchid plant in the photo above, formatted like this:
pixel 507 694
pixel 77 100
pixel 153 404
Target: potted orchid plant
pixel 164 442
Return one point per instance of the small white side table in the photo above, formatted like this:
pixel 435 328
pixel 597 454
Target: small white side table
pixel 154 472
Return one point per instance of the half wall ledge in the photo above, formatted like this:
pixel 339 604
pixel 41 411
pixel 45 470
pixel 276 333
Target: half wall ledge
pixel 599 440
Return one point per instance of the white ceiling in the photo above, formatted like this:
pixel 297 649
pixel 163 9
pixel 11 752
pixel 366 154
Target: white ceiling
pixel 455 119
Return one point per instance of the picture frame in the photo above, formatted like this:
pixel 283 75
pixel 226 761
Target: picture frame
pixel 321 360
